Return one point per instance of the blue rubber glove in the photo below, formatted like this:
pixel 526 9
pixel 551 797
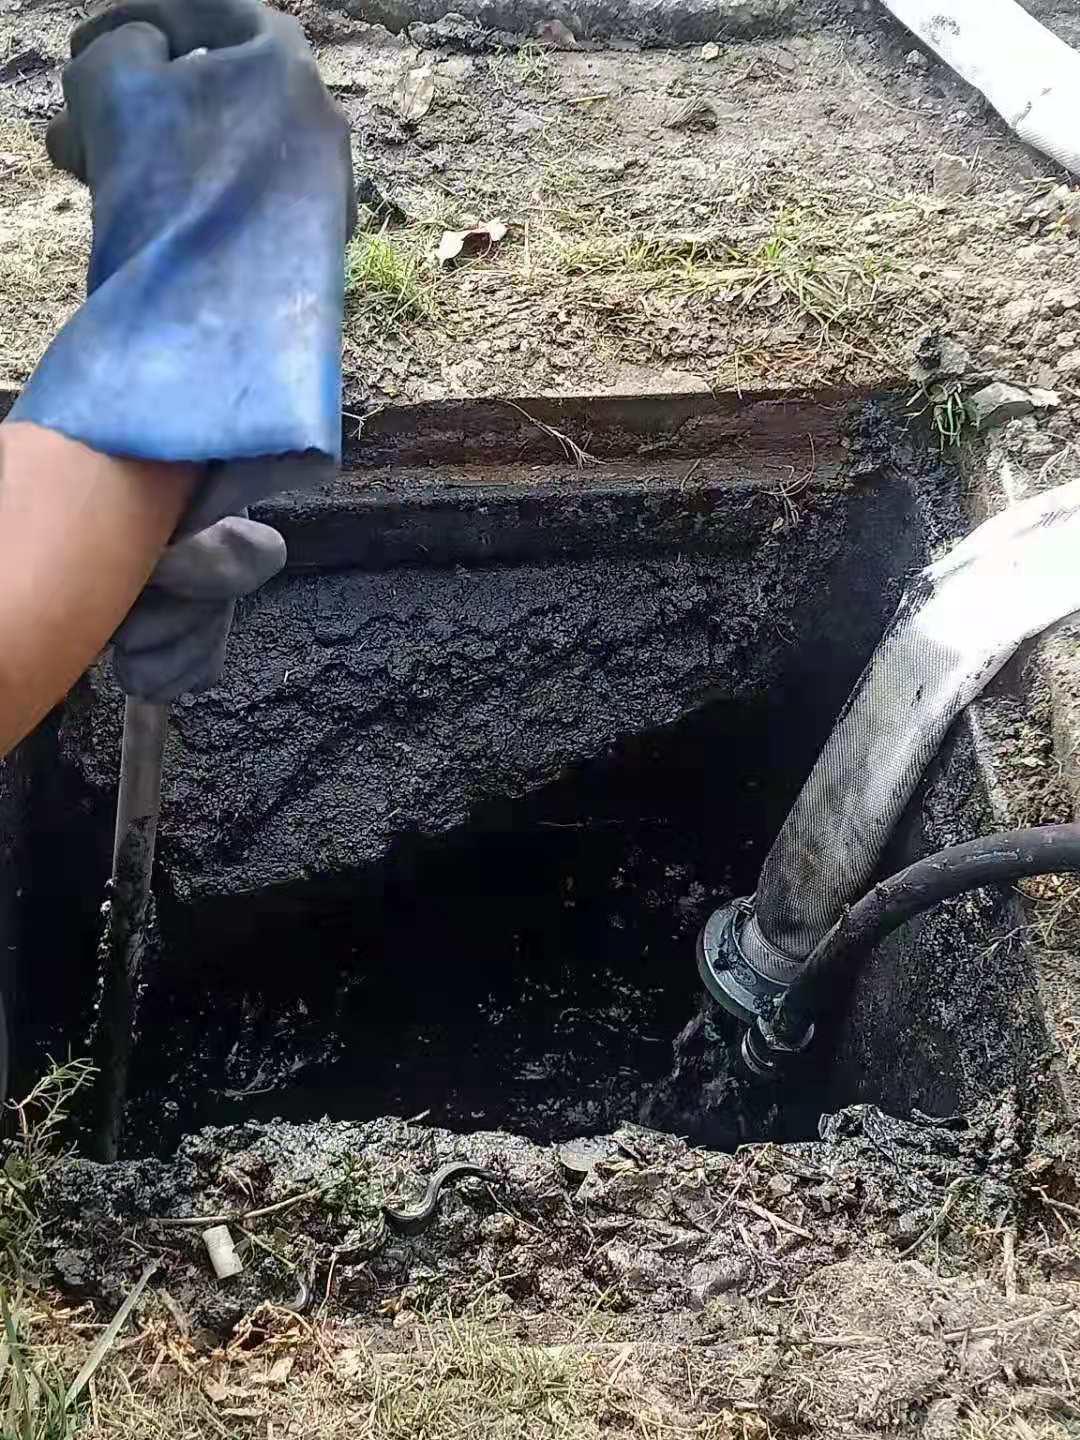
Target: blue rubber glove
pixel 223 199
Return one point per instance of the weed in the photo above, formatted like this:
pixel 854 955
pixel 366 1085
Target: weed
pixel 31 1156
pixel 35 1402
pixel 383 275
pixel 943 401
pixel 36 1405
pixel 534 67
pixel 801 263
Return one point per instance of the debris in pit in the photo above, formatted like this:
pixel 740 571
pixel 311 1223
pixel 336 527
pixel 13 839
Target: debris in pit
pixel 936 356
pixel 222 1252
pixel 1055 209
pixel 414 93
pixel 580 1157
pixel 413 1222
pixel 466 244
pixel 995 404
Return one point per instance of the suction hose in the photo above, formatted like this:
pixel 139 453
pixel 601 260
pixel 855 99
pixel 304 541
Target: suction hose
pixel 958 623
pixel 1029 76
pixel 990 860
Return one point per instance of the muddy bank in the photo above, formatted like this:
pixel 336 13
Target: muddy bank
pixel 645 22
pixel 656 1225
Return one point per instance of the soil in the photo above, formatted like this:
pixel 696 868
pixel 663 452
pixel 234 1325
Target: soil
pixel 861 1284
pixel 788 214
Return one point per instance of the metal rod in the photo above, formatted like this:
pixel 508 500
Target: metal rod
pixel 123 941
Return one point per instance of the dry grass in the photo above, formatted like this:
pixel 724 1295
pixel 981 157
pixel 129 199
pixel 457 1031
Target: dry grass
pixel 44 246
pixel 280 1376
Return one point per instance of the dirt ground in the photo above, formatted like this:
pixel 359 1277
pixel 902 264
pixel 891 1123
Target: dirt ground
pixel 790 211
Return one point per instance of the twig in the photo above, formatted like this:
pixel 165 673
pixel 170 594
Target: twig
pixel 843 1342
pixel 104 1344
pixel 939 1219
pixel 1009 1263
pixel 776 1221
pixel 1055 1204
pixel 237 1217
pixel 984 1332
pixel 570 448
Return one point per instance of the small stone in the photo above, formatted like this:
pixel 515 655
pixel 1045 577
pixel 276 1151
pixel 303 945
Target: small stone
pixel 1069 364
pixel 916 60
pixel 1044 399
pixel 1018 312
pixel 940 357
pixel 73 1268
pixel 456 69
pixel 710 51
pixel 581 1157
pixel 554 32
pixel 994 404
pixel 952 177
pixel 525 122
pixel 1066 340
pixel 712 1278
pixel 1070 215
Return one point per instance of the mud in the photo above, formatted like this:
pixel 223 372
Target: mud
pixel 641 21
pixel 657 1229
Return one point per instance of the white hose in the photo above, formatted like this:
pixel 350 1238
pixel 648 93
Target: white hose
pixel 961 620
pixel 1029 76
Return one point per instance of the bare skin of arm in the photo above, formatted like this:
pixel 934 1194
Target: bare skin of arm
pixel 80 533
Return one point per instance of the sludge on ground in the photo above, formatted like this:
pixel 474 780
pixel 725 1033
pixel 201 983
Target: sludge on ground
pixel 917 1278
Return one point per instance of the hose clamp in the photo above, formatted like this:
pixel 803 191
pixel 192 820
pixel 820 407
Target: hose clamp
pixel 727 974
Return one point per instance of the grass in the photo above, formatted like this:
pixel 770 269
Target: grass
pixel 534 67
pixel 802 263
pixel 33 1396
pixel 943 401
pixel 36 1403
pixel 30 1157
pixel 388 277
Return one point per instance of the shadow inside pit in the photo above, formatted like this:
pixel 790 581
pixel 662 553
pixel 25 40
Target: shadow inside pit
pixel 528 974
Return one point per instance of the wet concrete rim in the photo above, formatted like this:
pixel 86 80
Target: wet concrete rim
pixel 495 481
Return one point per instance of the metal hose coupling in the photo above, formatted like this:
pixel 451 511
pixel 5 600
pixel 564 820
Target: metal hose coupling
pixel 749 978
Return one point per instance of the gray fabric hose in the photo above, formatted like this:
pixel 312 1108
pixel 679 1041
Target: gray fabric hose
pixel 959 622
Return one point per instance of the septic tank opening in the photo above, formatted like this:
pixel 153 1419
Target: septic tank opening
pixel 531 969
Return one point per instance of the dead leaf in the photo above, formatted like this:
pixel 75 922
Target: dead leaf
pixel 414 93
pixel 217 1390
pixel 281 1369
pixel 710 51
pixel 554 32
pixel 458 244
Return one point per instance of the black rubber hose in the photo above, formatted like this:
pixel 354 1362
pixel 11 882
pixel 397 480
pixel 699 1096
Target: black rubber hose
pixel 991 860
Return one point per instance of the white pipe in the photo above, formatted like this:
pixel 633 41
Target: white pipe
pixel 1029 76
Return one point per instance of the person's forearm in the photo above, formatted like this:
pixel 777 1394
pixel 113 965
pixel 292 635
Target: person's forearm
pixel 80 533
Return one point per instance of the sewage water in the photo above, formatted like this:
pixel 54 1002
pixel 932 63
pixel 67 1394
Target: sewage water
pixel 530 974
